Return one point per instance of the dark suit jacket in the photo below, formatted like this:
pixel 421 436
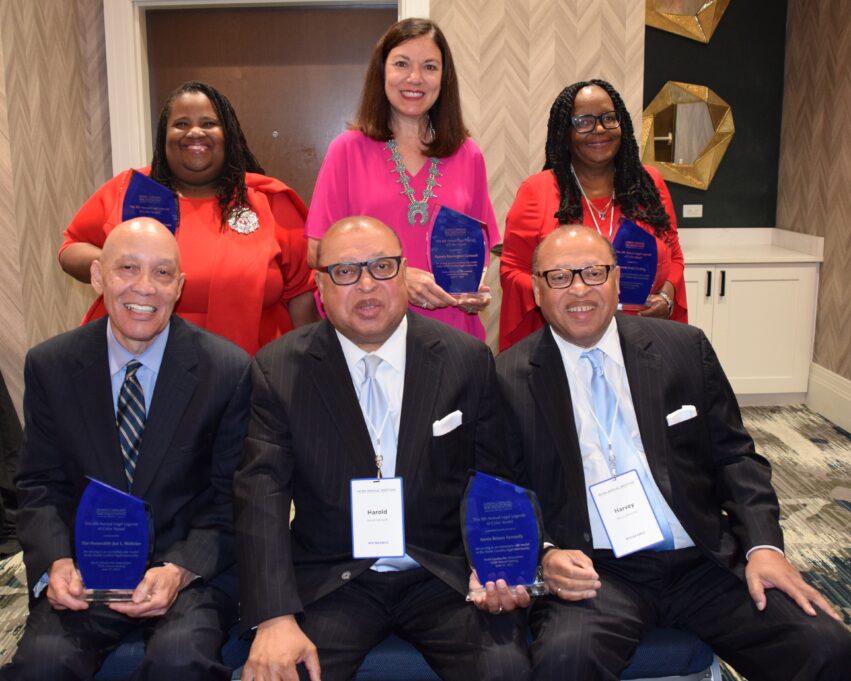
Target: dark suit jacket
pixel 307 439
pixel 706 467
pixel 190 446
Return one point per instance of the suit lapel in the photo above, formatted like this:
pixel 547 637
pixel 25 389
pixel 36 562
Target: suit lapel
pixel 644 369
pixel 176 383
pixel 331 377
pixel 93 388
pixel 423 374
pixel 549 384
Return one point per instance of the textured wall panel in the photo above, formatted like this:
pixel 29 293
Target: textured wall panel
pixel 815 160
pixel 58 149
pixel 513 58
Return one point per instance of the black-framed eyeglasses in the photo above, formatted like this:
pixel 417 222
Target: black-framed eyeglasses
pixel 348 273
pixel 592 275
pixel 584 124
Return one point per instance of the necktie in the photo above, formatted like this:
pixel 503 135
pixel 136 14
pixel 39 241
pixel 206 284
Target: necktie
pixel 376 411
pixel 130 418
pixel 611 424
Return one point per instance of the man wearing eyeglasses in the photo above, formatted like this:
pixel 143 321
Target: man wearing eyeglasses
pixel 656 507
pixel 369 422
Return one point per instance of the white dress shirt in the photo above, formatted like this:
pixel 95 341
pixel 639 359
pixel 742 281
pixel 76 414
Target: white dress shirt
pixel 595 464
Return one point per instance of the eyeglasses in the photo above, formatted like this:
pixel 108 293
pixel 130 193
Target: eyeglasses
pixel 348 273
pixel 584 124
pixel 593 275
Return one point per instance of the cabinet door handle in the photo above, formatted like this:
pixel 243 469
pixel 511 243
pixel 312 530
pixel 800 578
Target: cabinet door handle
pixel 708 283
pixel 723 283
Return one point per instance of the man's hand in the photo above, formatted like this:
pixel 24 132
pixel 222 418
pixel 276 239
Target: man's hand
pixel 570 575
pixel 769 569
pixel 278 647
pixel 156 592
pixel 64 586
pixel 496 596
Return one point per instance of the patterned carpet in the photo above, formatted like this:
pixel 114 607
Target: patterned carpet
pixel 812 475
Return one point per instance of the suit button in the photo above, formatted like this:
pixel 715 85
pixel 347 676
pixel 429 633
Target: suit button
pixel 587 536
pixel 346 576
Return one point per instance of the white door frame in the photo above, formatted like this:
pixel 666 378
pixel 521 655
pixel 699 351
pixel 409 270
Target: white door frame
pixel 127 65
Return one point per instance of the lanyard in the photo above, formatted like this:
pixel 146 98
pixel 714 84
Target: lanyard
pixel 379 460
pixel 608 435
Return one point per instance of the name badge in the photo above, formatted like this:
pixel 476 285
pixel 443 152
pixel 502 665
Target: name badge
pixel 378 518
pixel 626 513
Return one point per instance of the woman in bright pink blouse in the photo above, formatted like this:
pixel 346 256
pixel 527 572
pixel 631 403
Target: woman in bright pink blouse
pixel 407 154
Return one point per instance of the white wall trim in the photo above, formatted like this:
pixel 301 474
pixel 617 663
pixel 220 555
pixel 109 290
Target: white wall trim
pixel 830 395
pixel 127 65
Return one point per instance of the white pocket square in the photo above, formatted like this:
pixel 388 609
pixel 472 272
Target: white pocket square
pixel 684 413
pixel 447 424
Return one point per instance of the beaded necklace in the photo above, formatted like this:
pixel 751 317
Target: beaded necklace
pixel 415 208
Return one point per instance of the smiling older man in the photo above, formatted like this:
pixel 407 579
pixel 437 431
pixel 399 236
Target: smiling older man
pixel 195 388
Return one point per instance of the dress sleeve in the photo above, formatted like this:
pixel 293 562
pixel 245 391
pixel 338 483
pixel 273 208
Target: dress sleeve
pixel 482 208
pixel 289 231
pixel 519 316
pixel 676 275
pixel 331 193
pixel 89 225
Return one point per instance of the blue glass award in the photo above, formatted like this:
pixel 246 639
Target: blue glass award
pixel 637 257
pixel 501 526
pixel 112 541
pixel 457 251
pixel 149 199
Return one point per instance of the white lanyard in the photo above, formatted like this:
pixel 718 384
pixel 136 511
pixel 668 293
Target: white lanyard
pixel 379 460
pixel 613 467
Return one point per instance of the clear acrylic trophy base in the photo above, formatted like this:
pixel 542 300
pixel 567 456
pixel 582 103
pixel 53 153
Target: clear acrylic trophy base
pixel 534 589
pixel 108 595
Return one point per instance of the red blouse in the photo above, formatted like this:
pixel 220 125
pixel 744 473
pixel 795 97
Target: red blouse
pixel 237 285
pixel 532 217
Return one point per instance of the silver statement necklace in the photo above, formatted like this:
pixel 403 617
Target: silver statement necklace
pixel 592 209
pixel 415 208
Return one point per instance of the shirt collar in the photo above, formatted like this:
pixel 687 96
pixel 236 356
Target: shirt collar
pixel 609 343
pixel 391 351
pixel 118 355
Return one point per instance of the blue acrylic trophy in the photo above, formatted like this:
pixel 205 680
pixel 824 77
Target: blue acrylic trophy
pixel 113 542
pixel 501 526
pixel 637 256
pixel 457 251
pixel 147 198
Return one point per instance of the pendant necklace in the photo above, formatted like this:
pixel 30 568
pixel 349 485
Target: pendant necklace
pixel 416 209
pixel 592 209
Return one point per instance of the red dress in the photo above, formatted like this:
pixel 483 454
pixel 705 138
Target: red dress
pixel 531 218
pixel 237 285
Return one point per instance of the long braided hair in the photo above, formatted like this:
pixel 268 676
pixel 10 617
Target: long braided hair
pixel 635 191
pixel 230 187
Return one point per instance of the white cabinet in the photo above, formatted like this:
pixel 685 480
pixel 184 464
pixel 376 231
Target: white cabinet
pixel 753 291
pixel 760 319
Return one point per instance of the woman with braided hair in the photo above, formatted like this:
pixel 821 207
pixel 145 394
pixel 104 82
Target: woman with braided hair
pixel 241 233
pixel 592 176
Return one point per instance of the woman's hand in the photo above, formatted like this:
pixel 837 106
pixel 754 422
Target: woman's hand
pixel 657 306
pixel 424 292
pixel 473 303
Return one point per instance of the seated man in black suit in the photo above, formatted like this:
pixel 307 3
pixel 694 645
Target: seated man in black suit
pixel 629 432
pixel 196 388
pixel 10 444
pixel 373 402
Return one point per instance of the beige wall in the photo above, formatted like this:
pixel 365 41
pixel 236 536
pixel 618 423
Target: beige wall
pixel 54 150
pixel 814 192
pixel 513 58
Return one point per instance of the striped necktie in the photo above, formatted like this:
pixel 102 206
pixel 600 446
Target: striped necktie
pixel 130 418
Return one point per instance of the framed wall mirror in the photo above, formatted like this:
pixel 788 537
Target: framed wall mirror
pixel 685 132
pixel 694 19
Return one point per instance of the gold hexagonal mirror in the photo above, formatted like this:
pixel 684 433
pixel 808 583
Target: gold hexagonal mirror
pixel 685 131
pixel 695 19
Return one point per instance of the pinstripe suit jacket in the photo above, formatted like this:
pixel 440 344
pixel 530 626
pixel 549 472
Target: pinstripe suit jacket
pixel 307 439
pixel 705 467
pixel 190 446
